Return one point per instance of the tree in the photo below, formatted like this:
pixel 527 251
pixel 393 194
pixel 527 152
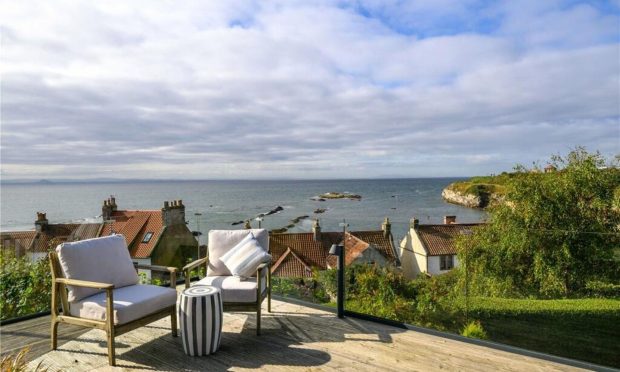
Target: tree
pixel 555 232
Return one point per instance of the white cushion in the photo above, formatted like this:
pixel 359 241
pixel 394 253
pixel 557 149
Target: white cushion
pixel 233 288
pixel 130 303
pixel 104 260
pixel 221 241
pixel 245 257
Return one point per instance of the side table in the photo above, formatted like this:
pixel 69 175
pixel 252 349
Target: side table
pixel 200 313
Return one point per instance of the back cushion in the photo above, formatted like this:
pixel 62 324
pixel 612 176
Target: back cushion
pixel 221 241
pixel 104 260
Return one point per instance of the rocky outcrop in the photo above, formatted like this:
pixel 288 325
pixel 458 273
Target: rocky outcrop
pixel 467 200
pixel 339 195
pixel 483 200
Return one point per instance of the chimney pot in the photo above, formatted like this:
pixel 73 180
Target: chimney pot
pixel 386 227
pixel 414 223
pixel 316 230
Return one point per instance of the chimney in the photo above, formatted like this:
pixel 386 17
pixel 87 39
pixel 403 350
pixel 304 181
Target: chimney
pixel 41 223
pixel 414 223
pixel 109 206
pixel 449 220
pixel 386 226
pixel 173 213
pixel 316 230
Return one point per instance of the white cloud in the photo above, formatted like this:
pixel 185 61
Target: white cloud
pixel 241 89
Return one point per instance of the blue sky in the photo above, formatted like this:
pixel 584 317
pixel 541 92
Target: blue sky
pixel 299 89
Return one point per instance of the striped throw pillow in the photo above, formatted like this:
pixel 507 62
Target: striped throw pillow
pixel 243 259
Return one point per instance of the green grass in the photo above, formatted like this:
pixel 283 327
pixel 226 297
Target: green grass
pixel 584 329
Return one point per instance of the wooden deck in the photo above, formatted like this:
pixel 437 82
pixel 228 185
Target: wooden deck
pixel 295 337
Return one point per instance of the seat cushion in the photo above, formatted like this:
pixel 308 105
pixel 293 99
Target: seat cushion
pixel 221 241
pixel 233 288
pixel 130 303
pixel 104 260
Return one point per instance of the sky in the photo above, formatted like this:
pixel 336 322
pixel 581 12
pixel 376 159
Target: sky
pixel 303 89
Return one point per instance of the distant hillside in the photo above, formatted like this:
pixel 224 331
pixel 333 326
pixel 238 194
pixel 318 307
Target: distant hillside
pixel 478 192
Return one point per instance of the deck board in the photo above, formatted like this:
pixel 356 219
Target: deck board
pixel 295 337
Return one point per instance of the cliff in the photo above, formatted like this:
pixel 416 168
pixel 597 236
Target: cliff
pixel 477 192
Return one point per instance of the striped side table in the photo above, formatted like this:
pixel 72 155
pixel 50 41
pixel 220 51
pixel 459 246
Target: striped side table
pixel 200 313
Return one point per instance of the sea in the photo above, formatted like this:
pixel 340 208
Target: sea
pixel 219 204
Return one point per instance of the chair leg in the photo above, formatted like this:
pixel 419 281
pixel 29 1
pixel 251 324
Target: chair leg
pixel 269 299
pixel 111 348
pixel 258 319
pixel 173 322
pixel 54 334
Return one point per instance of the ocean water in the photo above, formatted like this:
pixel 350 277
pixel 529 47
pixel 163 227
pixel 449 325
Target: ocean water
pixel 221 203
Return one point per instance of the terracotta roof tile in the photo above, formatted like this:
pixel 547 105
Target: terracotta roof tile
pixel 440 239
pixel 134 225
pixel 19 241
pixel 291 265
pixel 316 253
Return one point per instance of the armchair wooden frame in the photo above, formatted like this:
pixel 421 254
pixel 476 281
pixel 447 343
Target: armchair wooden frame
pixel 241 306
pixel 59 293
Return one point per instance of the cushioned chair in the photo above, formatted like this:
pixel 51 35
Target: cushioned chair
pixel 97 285
pixel 237 294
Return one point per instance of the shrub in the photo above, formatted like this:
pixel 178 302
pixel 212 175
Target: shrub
pixel 25 286
pixel 474 330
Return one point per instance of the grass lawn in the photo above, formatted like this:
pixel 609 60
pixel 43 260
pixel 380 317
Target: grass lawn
pixel 584 329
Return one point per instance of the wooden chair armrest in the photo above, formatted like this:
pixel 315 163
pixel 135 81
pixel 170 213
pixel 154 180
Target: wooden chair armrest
pixel 192 265
pixel 166 269
pixel 262 267
pixel 84 283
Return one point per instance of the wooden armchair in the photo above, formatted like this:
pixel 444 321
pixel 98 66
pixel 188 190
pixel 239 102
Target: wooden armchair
pixel 97 285
pixel 237 294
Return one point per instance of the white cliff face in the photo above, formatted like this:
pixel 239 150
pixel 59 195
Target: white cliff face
pixel 466 200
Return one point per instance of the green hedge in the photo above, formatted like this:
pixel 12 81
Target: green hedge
pixel 25 286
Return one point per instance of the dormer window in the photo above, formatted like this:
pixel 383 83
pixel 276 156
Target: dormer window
pixel 147 237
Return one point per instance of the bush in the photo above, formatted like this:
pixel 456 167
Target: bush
pixel 597 288
pixel 474 330
pixel 25 286
pixel 302 288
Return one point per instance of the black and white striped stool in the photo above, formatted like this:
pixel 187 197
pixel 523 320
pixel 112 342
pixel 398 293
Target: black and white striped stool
pixel 200 313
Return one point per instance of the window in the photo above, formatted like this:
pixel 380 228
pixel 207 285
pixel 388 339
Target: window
pixel 446 262
pixel 147 237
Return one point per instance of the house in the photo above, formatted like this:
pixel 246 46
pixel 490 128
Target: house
pixel 35 244
pixel 431 249
pixel 297 254
pixel 154 237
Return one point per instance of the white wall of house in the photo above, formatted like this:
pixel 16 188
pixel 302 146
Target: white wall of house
pixel 143 261
pixel 412 255
pixel 36 256
pixel 434 265
pixel 414 259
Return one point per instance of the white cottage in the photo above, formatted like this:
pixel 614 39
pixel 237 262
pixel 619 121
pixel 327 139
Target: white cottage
pixel 431 249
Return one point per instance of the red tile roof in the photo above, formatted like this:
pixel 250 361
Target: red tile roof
pixel 51 236
pixel 134 225
pixel 315 254
pixel 291 265
pixel 440 239
pixel 19 241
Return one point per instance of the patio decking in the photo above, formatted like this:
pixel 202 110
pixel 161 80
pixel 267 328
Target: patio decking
pixel 295 337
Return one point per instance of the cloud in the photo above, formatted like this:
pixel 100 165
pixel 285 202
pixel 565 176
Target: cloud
pixel 303 90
